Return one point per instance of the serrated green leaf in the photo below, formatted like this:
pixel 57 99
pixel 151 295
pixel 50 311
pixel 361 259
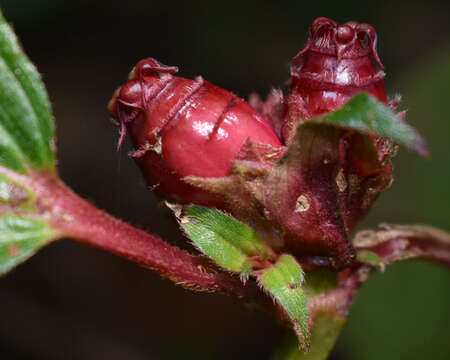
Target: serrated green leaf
pixel 326 327
pixel 20 238
pixel 366 114
pixel 216 247
pixel 229 242
pixel 235 232
pixel 324 335
pixel 26 120
pixel 283 281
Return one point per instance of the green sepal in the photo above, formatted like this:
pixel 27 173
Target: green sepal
pixel 234 231
pixel 26 120
pixel 368 115
pixel 324 334
pixel 325 327
pixel 216 247
pixel 284 282
pixel 20 238
pixel 227 241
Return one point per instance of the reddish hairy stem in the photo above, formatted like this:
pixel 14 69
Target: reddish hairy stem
pixel 76 218
pixel 391 243
pixel 400 242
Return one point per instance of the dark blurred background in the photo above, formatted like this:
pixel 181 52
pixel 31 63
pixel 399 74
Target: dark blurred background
pixel 75 302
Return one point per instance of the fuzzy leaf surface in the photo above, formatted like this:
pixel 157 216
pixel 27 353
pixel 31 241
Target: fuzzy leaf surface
pixel 226 240
pixel 216 247
pixel 367 115
pixel 326 324
pixel 236 232
pixel 324 334
pixel 26 120
pixel 283 281
pixel 20 238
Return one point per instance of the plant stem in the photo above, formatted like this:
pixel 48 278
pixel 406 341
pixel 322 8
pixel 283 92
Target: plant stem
pixel 400 242
pixel 78 219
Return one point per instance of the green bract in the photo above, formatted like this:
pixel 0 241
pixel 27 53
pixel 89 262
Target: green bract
pixel 229 242
pixel 326 330
pixel 233 245
pixel 284 281
pixel 367 115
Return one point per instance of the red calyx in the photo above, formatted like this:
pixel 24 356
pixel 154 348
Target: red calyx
pixel 181 127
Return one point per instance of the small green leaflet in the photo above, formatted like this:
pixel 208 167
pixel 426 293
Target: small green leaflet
pixel 26 120
pixel 229 242
pixel 284 282
pixel 216 247
pixel 324 334
pixel 236 232
pixel 20 238
pixel 367 115
pixel 325 328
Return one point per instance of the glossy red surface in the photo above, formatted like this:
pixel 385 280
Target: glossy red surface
pixel 337 62
pixel 182 127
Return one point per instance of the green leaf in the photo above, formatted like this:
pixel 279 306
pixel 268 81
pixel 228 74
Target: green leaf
pixel 216 247
pixel 326 325
pixel 229 242
pixel 324 334
pixel 284 282
pixel 20 238
pixel 236 232
pixel 366 114
pixel 26 120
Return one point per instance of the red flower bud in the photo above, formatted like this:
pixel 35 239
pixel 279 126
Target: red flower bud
pixel 182 127
pixel 337 62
